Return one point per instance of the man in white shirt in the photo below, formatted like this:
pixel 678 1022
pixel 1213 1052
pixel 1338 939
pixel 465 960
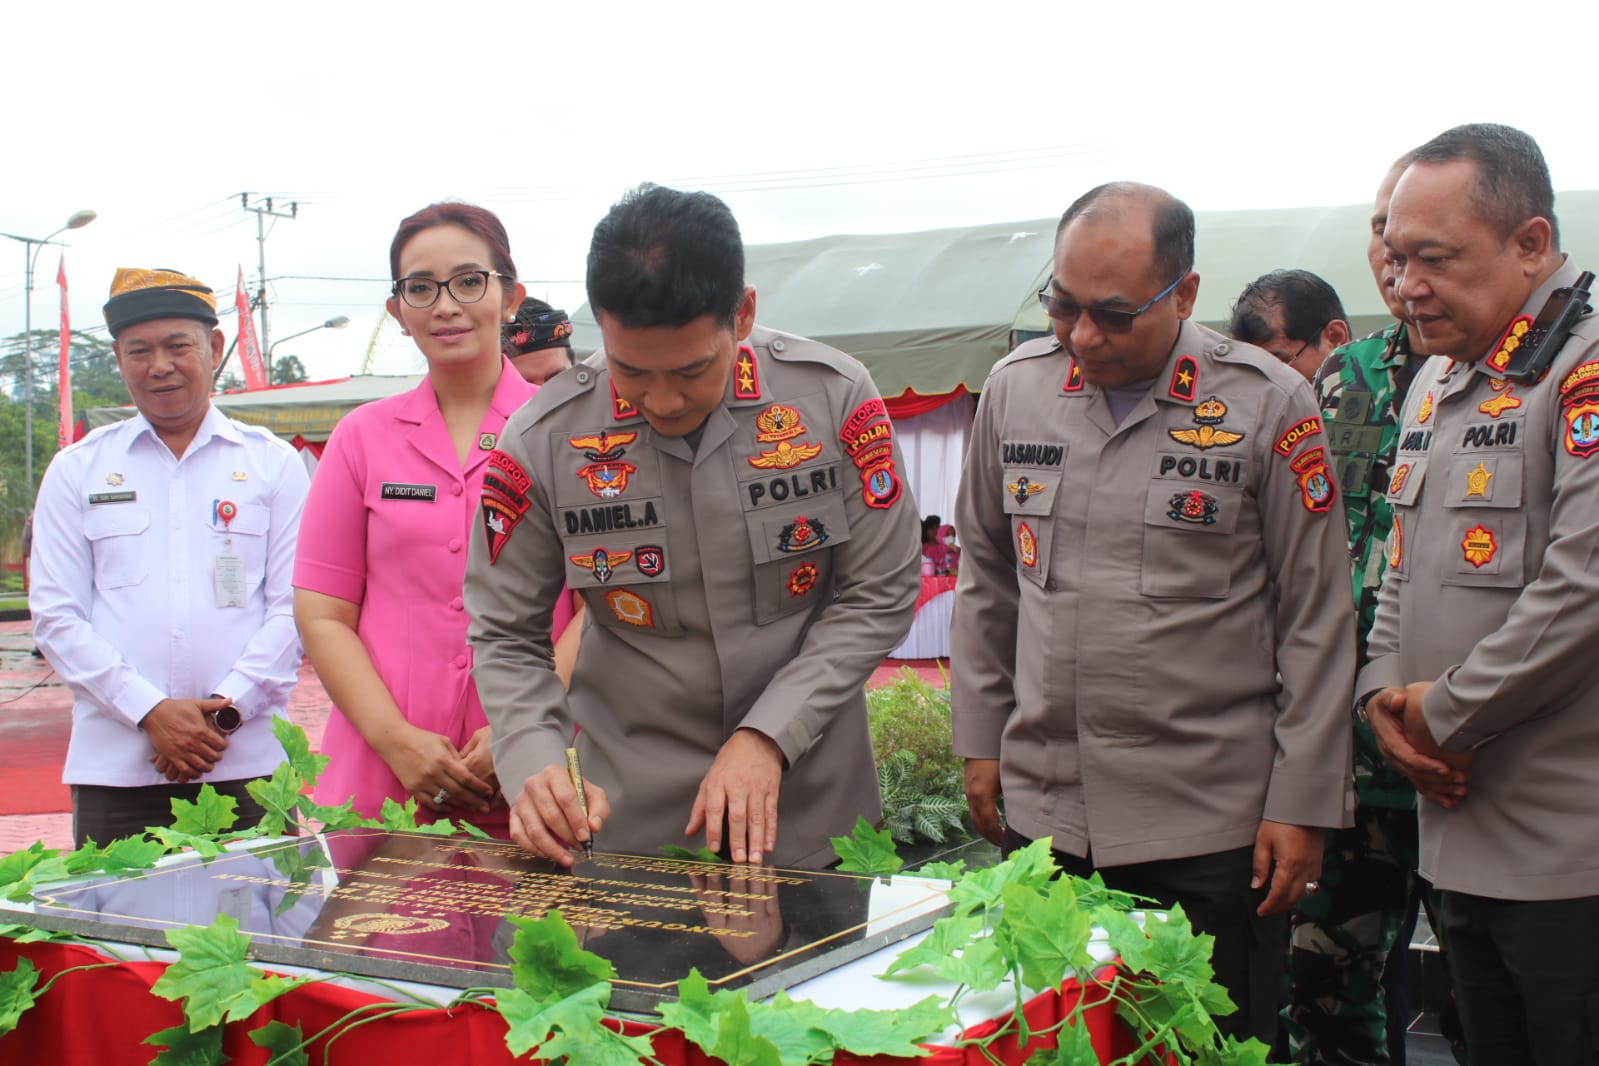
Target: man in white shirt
pixel 163 550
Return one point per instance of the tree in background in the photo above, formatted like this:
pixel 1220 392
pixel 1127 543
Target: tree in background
pixel 288 370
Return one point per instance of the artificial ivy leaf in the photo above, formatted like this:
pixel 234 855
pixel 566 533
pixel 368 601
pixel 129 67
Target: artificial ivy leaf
pixel 881 1032
pixel 797 1030
pixel 597 1045
pixel 343 816
pixel 210 814
pixel 24 934
pixel 129 853
pixel 699 854
pixel 176 840
pixel 1126 937
pixel 1177 955
pixel 1073 1047
pixel 867 850
pixel 183 1048
pixel 210 975
pixel 396 818
pixel 1045 934
pixel 284 1042
pixel 736 1044
pixel 1091 893
pixel 19 870
pixel 531 1018
pixel 1251 1052
pixel 547 962
pixel 694 1011
pixel 471 830
pixel 442 827
pixel 297 749
pixel 947 937
pixel 949 871
pixel 19 988
pixel 279 795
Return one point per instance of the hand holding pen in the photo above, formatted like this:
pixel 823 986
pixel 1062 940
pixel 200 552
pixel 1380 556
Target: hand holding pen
pixel 548 814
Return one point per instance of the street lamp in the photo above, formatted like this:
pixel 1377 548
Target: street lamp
pixel 31 247
pixel 336 322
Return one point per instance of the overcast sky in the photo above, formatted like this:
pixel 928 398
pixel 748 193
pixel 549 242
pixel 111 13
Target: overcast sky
pixel 817 118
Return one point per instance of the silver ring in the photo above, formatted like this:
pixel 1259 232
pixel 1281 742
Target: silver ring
pixel 1312 887
pixel 440 796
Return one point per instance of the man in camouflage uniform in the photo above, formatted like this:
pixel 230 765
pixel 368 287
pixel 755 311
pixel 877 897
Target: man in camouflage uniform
pixel 1341 1012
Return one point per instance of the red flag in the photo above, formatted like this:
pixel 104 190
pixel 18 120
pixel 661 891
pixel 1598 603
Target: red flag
pixel 64 429
pixel 249 347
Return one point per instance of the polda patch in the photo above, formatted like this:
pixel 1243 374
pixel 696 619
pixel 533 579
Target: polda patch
pixel 1581 433
pixel 880 485
pixel 1310 427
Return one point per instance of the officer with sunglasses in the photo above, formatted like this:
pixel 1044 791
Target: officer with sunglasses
pixel 1153 640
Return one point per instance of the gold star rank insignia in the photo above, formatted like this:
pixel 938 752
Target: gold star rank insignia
pixel 746 378
pixel 1209 416
pixel 1477 480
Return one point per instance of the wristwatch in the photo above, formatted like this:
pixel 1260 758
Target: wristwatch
pixel 225 721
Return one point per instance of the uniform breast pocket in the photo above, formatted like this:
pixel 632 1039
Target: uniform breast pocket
pixel 625 581
pixel 1482 500
pixel 793 556
pixel 1188 541
pixel 1029 501
pixel 245 535
pixel 116 535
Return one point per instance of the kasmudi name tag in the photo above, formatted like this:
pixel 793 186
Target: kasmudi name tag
pixel 399 490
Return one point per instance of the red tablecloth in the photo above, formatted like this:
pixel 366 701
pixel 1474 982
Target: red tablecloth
pixel 102 1017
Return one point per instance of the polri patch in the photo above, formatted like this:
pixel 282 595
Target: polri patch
pixel 1194 507
pixel 1026 545
pixel 1310 427
pixel 631 608
pixel 1581 435
pixel 650 559
pixel 1479 546
pixel 1509 342
pixel 1208 433
pixel 746 375
pixel 802 579
pixel 112 497
pixel 1184 379
pixel 400 490
pixel 602 562
pixel 1315 482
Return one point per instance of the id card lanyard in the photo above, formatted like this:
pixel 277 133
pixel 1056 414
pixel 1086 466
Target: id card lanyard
pixel 228 576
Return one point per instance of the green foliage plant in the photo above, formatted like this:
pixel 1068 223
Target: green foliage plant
pixel 920 776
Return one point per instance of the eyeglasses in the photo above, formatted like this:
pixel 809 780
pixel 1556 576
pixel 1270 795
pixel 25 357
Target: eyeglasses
pixel 465 288
pixel 1108 319
pixel 1289 360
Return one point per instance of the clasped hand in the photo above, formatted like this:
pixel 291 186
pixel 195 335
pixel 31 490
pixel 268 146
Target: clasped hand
pixel 1408 745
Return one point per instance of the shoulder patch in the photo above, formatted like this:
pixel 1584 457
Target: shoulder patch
pixel 1510 341
pixel 1584 374
pixel 1184 379
pixel 621 410
pixel 505 501
pixel 1310 427
pixel 746 375
pixel 1074 378
pixel 1315 482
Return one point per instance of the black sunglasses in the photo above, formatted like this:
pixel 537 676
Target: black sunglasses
pixel 1108 319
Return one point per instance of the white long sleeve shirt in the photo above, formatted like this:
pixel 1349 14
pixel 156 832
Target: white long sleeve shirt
pixel 125 599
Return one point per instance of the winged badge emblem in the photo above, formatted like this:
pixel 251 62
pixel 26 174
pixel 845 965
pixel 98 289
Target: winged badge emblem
pixel 1208 433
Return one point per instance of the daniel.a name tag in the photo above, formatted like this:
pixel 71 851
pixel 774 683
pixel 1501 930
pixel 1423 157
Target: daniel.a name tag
pixel 396 490
pixel 112 497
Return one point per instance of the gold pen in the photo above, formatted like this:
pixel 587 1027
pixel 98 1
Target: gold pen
pixel 576 772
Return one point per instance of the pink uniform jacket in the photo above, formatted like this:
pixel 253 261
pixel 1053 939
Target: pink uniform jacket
pixel 386 526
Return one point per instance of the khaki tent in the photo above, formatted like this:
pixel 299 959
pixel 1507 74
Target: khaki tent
pixel 307 411
pixel 931 311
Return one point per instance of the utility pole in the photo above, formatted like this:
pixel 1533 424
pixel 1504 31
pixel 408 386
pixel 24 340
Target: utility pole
pixel 262 209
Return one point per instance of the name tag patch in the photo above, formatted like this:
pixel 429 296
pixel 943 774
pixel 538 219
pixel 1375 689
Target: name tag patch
pixel 112 497
pixel 399 490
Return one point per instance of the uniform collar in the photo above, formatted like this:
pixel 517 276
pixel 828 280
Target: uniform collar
pixel 214 424
pixel 510 392
pixel 1565 275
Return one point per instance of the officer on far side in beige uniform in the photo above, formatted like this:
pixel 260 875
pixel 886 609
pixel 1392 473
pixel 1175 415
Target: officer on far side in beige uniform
pixel 1152 536
pixel 1483 652
pixel 726 499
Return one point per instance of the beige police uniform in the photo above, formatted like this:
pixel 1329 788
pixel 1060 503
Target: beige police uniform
pixel 1128 596
pixel 1493 592
pixel 754 581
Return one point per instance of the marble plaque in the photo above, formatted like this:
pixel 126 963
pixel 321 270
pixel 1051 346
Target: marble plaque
pixel 432 909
